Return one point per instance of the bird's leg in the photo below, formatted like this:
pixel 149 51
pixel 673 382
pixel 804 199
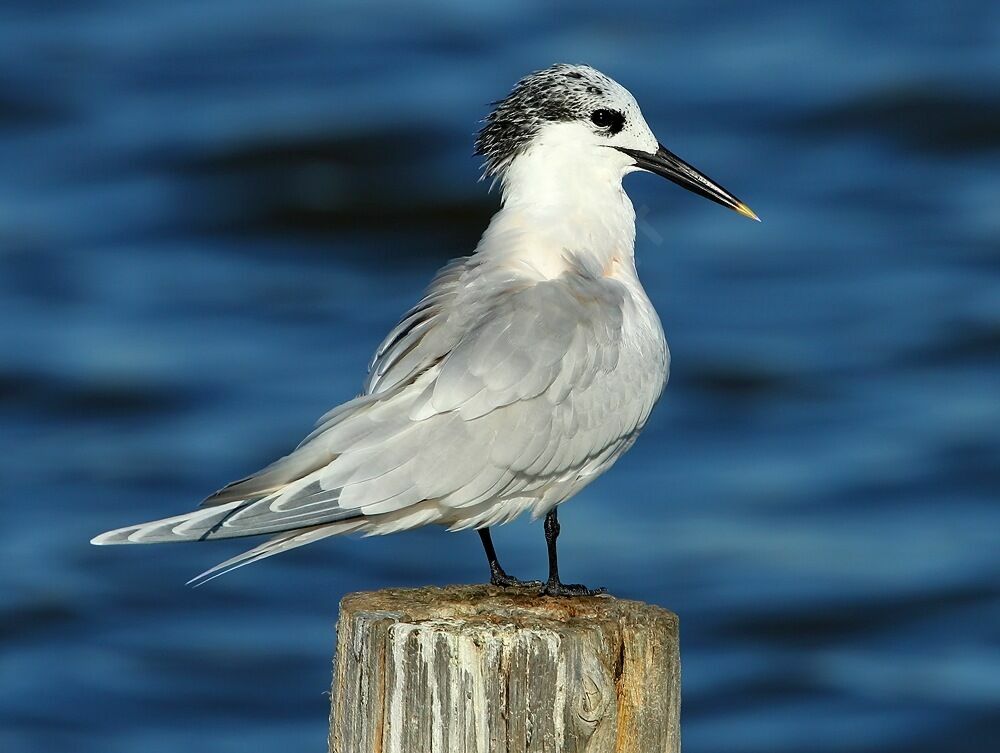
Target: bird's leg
pixel 497 575
pixel 553 586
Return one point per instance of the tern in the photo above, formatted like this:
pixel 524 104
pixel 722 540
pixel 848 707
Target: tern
pixel 525 371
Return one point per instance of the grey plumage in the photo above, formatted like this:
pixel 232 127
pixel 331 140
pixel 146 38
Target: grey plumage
pixel 487 390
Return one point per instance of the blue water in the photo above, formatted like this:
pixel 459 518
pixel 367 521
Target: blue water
pixel 211 211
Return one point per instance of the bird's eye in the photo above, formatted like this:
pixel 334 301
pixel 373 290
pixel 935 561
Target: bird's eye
pixel 613 120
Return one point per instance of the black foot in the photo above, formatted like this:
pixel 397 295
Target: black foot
pixel 503 580
pixel 555 588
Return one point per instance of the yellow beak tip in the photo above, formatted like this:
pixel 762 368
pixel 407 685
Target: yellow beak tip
pixel 747 211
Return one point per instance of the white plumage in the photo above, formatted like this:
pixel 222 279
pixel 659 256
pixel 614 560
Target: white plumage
pixel 522 374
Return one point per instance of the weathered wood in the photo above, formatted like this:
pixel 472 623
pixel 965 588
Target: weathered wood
pixel 476 669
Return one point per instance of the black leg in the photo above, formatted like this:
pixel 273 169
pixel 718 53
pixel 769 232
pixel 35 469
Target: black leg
pixel 497 575
pixel 553 586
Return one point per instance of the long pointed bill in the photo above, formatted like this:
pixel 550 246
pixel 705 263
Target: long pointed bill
pixel 668 165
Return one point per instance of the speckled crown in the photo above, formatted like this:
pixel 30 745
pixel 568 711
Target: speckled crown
pixel 559 93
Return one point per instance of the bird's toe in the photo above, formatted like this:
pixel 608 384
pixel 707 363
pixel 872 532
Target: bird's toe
pixel 570 589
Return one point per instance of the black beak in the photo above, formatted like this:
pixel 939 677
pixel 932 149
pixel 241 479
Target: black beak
pixel 668 165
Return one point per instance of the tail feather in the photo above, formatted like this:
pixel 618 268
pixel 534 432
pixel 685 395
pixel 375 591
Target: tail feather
pixel 190 526
pixel 281 543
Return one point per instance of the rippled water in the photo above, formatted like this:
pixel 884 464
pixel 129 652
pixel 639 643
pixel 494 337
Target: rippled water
pixel 211 211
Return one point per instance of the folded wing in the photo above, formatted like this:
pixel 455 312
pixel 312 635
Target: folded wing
pixel 493 388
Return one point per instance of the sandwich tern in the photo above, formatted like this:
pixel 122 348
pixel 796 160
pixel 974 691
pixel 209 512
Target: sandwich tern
pixel 524 372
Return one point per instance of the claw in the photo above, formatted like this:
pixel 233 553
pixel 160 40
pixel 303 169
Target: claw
pixel 555 588
pixel 502 580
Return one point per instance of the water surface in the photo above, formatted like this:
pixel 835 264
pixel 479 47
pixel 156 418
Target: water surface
pixel 210 213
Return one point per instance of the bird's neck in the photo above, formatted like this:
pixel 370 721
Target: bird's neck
pixel 557 210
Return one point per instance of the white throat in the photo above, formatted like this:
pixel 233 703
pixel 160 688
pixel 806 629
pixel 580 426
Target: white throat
pixel 560 202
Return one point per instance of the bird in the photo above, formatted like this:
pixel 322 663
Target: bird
pixel 522 374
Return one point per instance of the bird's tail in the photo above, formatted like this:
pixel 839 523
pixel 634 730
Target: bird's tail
pixel 276 545
pixel 191 526
pixel 200 524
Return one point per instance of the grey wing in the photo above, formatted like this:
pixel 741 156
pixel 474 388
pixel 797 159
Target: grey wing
pixel 524 391
pixel 491 389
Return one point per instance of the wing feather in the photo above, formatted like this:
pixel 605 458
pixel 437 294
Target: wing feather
pixel 491 387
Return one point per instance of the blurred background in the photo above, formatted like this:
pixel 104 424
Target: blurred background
pixel 211 211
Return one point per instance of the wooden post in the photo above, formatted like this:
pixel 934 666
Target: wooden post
pixel 477 669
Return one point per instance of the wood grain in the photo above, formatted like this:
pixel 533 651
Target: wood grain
pixel 476 669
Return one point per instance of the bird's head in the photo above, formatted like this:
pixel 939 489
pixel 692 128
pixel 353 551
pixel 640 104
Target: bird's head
pixel 574 120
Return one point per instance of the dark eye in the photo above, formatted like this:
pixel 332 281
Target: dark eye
pixel 613 120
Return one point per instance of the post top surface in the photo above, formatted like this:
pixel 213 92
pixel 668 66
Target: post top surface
pixel 489 604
